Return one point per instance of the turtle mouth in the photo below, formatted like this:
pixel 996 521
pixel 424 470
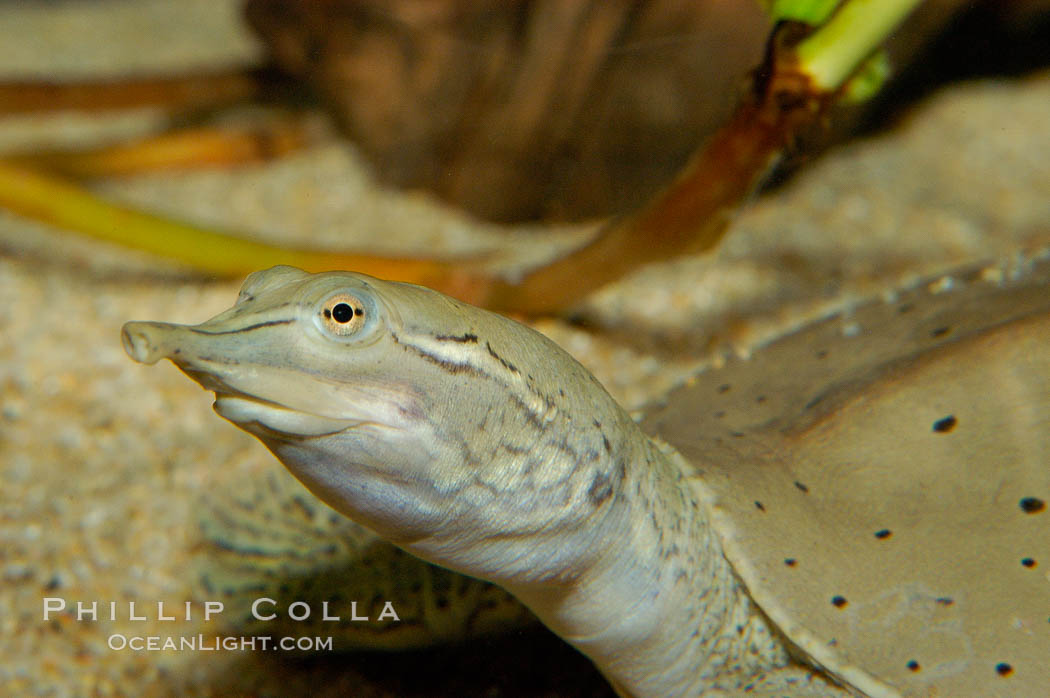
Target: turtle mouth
pixel 254 414
pixel 258 414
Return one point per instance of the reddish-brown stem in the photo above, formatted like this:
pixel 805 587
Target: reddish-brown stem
pixel 693 213
pixel 175 92
pixel 189 148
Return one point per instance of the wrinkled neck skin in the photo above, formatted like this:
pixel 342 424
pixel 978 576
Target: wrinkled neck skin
pixel 611 552
pixel 477 444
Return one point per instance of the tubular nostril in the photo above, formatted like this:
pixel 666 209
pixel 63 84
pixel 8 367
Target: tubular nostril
pixel 135 344
pixel 135 337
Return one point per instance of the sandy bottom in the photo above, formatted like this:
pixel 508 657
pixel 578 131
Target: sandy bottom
pixel 104 462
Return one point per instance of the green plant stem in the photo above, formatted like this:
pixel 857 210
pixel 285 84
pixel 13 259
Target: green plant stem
pixel 834 51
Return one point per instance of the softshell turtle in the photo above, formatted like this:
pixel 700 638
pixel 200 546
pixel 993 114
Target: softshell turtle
pixel 859 506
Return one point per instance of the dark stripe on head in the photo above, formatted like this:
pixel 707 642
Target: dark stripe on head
pixel 506 364
pixel 467 338
pixel 452 367
pixel 249 328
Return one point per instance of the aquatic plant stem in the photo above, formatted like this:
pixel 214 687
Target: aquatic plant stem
pixel 182 149
pixel 176 92
pixel 836 49
pixel 57 202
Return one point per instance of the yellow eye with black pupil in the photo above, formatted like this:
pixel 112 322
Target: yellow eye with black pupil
pixel 343 315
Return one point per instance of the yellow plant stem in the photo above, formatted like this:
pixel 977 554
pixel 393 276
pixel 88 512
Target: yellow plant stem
pixel 65 205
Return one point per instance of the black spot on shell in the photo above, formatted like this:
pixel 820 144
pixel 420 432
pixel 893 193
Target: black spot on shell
pixel 1003 669
pixel 801 487
pixel 1032 505
pixel 943 426
pixel 940 332
pixel 839 601
pixel 913 665
pixel 945 601
pixel 724 388
pixel 883 534
pixel 790 561
pixel 759 506
pixel 1028 562
pixel 760 399
pixel 822 354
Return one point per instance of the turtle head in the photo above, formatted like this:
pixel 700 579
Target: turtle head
pixel 296 357
pixel 404 409
pixel 310 364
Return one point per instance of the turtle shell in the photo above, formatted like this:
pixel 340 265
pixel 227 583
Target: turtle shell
pixel 880 481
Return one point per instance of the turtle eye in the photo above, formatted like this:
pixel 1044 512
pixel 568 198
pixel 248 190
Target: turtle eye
pixel 343 315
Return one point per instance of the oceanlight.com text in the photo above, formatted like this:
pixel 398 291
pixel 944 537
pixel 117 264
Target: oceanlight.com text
pixel 210 643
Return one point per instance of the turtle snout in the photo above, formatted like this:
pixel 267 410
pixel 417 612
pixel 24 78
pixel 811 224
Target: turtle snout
pixel 146 342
